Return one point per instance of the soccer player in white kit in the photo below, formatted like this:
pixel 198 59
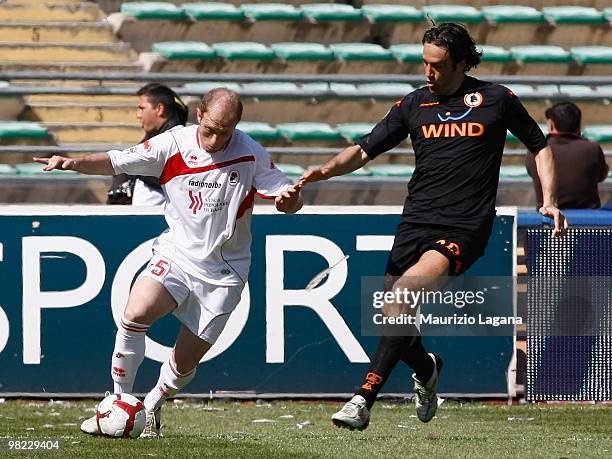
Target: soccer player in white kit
pixel 210 174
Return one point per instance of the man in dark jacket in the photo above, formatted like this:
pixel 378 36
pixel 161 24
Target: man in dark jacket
pixel 580 163
pixel 159 110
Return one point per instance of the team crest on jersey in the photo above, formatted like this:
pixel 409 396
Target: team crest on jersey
pixel 234 177
pixel 473 99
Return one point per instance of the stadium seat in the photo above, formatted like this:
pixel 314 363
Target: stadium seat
pixel 354 131
pixel 355 55
pixel 259 131
pixel 271 12
pixel 207 11
pixel 513 172
pixel 184 50
pixel 385 91
pixel 512 24
pixel 599 133
pixel 411 55
pixel 321 12
pixel 495 60
pixel 302 51
pixel 244 50
pixel 593 60
pixel 361 172
pixel 22 130
pixel 291 170
pixel 575 25
pixel 5 169
pixel 37 169
pixel 391 170
pixel 393 24
pixel 541 59
pixel 154 10
pixel 309 132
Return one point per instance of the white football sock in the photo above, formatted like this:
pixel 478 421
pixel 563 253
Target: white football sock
pixel 128 355
pixel 169 384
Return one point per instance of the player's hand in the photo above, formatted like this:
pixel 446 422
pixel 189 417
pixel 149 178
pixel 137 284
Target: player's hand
pixel 314 175
pixel 560 225
pixel 289 201
pixel 56 162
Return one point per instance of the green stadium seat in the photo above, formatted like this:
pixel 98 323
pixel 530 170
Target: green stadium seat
pixel 207 11
pixel 276 89
pixel 573 15
pixel 37 169
pixel 292 170
pixel 605 89
pixel 513 172
pixel 361 52
pixel 361 172
pixel 315 87
pixel 344 89
pixel 408 53
pixel 521 90
pixel 454 13
pixel 259 130
pixel 385 90
pixel 392 13
pixel 509 14
pixel 592 54
pixel 354 131
pixel 540 53
pixel 303 51
pixel 574 91
pixel 244 50
pixel 22 129
pixel 5 169
pixel 271 12
pixel 154 10
pixel 205 86
pixel 321 12
pixel 308 131
pixel 608 14
pixel 184 50
pixel 392 170
pixel 495 54
pixel 598 133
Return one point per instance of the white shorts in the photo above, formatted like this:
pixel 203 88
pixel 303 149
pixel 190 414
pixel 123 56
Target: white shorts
pixel 203 308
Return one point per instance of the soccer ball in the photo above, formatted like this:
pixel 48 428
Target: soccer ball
pixel 121 415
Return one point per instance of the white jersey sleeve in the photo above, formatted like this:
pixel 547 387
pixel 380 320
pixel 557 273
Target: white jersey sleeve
pixel 147 158
pixel 268 180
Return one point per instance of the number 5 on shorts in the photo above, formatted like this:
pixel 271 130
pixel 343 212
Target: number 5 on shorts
pixel 159 269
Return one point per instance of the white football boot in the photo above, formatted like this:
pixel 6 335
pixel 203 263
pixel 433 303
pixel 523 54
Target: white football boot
pixel 153 425
pixel 353 415
pixel 90 425
pixel 425 395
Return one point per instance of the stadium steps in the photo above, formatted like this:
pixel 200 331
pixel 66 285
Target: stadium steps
pixel 51 11
pixel 66 52
pixel 75 112
pixel 37 32
pixel 95 132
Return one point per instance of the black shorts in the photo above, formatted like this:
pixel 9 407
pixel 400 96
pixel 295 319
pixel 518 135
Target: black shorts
pixel 461 247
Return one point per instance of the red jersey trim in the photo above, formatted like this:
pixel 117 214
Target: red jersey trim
pixel 247 203
pixel 176 166
pixel 265 196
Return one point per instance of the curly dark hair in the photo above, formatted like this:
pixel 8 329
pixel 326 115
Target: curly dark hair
pixel 457 41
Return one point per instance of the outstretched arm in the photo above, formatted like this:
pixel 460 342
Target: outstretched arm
pixel 546 171
pixel 347 161
pixel 93 164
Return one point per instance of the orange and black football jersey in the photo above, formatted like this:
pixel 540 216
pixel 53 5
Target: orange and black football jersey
pixel 458 142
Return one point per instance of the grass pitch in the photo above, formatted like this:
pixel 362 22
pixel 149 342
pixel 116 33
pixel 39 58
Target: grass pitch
pixel 303 429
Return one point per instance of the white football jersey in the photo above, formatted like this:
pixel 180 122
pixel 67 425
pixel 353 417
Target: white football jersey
pixel 209 198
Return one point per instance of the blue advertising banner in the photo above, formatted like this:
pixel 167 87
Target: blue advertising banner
pixel 65 274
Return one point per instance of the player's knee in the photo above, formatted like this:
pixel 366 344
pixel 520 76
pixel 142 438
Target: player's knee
pixel 137 314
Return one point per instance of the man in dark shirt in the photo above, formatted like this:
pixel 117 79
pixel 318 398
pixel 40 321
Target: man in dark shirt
pixel 457 125
pixel 579 163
